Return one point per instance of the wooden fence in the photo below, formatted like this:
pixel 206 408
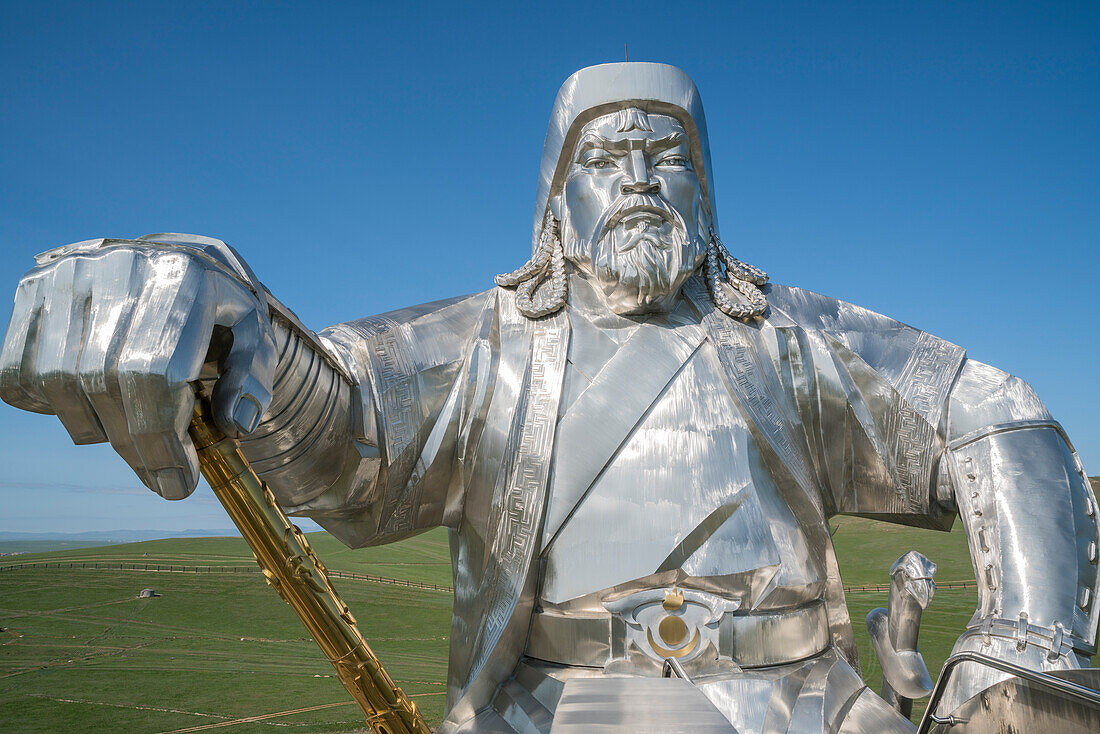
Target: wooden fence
pixel 182 568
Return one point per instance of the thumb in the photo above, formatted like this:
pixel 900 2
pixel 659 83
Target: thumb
pixel 243 391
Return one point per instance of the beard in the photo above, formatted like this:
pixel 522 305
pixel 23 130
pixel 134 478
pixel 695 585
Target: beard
pixel 639 261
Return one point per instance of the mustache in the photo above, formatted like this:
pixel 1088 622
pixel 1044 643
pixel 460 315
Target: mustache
pixel 630 204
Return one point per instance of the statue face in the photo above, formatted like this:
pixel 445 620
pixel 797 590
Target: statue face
pixel 632 212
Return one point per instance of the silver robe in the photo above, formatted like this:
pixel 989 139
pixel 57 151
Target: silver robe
pixel 574 463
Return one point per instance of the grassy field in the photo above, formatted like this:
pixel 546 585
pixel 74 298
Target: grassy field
pixel 425 558
pixel 78 651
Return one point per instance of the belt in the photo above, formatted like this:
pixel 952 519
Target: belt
pixel 665 623
pixel 1056 640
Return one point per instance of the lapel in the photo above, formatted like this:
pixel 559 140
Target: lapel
pixel 757 387
pixel 506 591
pixel 605 414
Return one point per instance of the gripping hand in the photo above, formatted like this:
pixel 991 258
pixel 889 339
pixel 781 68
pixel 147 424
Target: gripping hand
pixel 108 335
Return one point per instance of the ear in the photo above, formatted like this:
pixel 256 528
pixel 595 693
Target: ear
pixel 555 207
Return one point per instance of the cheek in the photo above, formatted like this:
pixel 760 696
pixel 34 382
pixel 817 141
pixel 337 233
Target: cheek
pixel 586 198
pixel 682 192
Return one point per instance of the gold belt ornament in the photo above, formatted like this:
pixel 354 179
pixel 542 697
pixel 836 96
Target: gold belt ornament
pixel 682 624
pixel 289 565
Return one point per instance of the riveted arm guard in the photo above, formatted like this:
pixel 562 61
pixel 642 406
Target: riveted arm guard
pixel 1031 523
pixel 301 445
pixel 365 420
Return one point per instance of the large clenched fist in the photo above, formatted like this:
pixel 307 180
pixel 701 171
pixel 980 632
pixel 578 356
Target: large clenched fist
pixel 109 334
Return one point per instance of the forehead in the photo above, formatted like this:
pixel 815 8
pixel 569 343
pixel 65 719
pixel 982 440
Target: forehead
pixel 633 123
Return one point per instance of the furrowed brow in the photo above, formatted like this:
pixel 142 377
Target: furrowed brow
pixel 668 141
pixel 592 141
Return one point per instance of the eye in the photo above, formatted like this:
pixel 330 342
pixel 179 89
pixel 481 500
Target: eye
pixel 673 161
pixel 597 163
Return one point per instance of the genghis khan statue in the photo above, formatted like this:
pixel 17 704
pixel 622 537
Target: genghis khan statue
pixel 635 441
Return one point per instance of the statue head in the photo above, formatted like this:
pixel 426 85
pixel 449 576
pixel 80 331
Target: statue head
pixel 626 197
pixel 631 212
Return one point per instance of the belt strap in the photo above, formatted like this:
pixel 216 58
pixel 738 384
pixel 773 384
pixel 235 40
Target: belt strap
pixel 755 640
pixel 1056 640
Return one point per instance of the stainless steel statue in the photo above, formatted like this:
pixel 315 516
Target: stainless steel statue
pixel 634 440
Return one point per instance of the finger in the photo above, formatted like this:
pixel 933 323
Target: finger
pixel 242 393
pixel 60 339
pixel 114 294
pixel 17 357
pixel 163 354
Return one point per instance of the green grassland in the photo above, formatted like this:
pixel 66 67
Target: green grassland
pixel 425 558
pixel 79 651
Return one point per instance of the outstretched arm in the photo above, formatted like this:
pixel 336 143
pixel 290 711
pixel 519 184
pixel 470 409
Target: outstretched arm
pixel 1031 523
pixel 362 429
pixel 355 427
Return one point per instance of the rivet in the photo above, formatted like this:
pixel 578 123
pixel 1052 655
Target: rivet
pixel 1056 642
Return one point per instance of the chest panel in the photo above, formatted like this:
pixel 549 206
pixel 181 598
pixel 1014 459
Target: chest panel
pixel 686 494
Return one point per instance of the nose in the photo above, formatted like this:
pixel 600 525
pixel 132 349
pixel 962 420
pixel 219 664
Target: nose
pixel 637 179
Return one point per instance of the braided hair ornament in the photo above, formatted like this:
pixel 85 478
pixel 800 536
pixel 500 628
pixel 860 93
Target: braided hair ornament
pixel 546 268
pixel 735 292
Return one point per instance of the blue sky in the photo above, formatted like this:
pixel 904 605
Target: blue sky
pixel 937 162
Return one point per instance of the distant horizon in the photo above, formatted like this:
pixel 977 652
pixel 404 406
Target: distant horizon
pixel 139 534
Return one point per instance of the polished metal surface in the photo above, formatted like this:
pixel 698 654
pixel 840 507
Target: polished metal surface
pixel 108 335
pixel 1019 705
pixel 633 417
pixel 894 632
pixel 703 632
pixel 1063 701
pixel 626 195
pixel 1030 518
pixel 643 705
pixel 821 694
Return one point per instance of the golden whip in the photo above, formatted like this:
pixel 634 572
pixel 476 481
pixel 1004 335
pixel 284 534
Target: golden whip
pixel 290 565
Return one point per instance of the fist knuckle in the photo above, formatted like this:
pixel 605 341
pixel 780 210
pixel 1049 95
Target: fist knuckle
pixel 145 377
pixel 93 379
pixel 144 309
pixel 55 376
pixel 10 392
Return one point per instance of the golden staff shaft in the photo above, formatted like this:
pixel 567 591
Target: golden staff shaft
pixel 289 564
